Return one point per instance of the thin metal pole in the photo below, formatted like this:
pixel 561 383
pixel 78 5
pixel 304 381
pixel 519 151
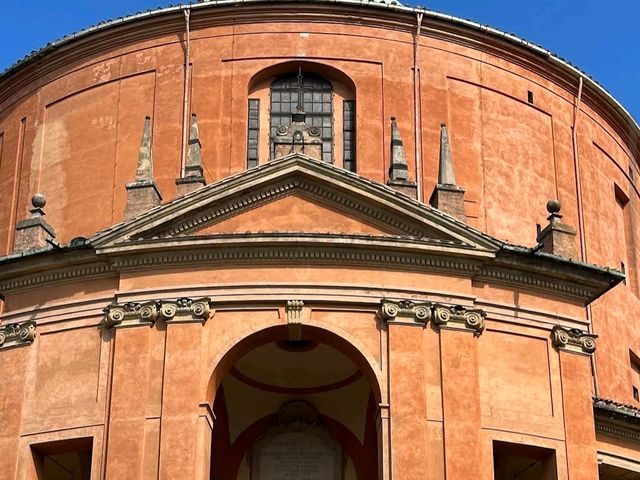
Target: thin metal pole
pixel 583 240
pixel 416 108
pixel 187 71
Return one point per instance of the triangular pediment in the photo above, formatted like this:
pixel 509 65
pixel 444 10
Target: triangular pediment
pixel 295 212
pixel 296 194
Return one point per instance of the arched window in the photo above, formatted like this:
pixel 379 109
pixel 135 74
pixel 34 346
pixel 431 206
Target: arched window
pixel 315 100
pixel 308 93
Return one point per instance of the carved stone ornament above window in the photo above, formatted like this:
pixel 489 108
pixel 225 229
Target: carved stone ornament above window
pixel 573 340
pixel 132 314
pixel 17 334
pixel 409 312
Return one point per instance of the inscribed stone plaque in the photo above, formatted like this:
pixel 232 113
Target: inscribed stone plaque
pixel 297 455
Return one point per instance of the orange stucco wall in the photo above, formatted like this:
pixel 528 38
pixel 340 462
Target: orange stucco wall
pixel 72 132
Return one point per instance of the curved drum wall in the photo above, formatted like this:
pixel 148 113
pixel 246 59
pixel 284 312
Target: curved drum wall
pixel 70 126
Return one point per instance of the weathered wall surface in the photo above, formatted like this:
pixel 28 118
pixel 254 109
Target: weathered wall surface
pixel 141 392
pixel 72 133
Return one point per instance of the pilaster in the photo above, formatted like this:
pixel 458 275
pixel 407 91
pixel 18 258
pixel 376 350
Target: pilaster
pixel 181 423
pixel 461 394
pixel 127 417
pixel 575 348
pixel 406 321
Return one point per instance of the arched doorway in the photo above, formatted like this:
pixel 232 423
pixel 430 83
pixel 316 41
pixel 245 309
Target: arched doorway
pixel 295 408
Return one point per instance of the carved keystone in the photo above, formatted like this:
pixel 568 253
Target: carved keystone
pixel 573 340
pixel 185 310
pixel 17 334
pixel 458 317
pixel 293 309
pixel 405 312
pixel 130 314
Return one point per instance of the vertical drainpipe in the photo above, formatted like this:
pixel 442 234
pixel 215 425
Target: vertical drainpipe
pixel 583 240
pixel 185 107
pixel 416 107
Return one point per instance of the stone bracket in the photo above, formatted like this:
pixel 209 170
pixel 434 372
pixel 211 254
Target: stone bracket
pixel 409 312
pixel 133 314
pixel 573 340
pixel 17 334
pixel 293 309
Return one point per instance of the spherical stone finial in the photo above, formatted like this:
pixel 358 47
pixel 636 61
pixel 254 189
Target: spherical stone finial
pixel 553 206
pixel 38 200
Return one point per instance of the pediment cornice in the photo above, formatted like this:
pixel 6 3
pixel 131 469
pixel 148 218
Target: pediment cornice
pixel 420 238
pixel 345 191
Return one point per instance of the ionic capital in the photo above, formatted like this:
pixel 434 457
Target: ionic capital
pixel 185 310
pixel 130 314
pixel 17 334
pixel 405 312
pixel 459 317
pixel 133 314
pixel 573 340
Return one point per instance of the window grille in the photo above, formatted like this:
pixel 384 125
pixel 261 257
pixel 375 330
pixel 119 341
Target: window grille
pixel 349 132
pixel 253 132
pixel 310 94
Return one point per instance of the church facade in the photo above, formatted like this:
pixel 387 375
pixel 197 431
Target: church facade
pixel 273 240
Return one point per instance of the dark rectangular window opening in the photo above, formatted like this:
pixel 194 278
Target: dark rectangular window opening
pixel 349 131
pixel 628 236
pixel 634 362
pixel 512 461
pixel 64 459
pixel 530 97
pixel 609 471
pixel 621 197
pixel 253 132
pixel 631 174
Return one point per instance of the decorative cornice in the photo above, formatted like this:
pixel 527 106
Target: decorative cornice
pixel 406 312
pixel 278 253
pixel 55 276
pixel 539 282
pixel 615 418
pixel 459 318
pixel 573 340
pixel 17 334
pixel 131 314
pixel 409 312
pixel 182 310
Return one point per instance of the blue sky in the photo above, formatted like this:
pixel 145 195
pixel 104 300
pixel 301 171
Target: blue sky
pixel 599 37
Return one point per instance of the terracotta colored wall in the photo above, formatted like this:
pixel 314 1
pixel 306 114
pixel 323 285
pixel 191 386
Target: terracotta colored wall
pixel 73 134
